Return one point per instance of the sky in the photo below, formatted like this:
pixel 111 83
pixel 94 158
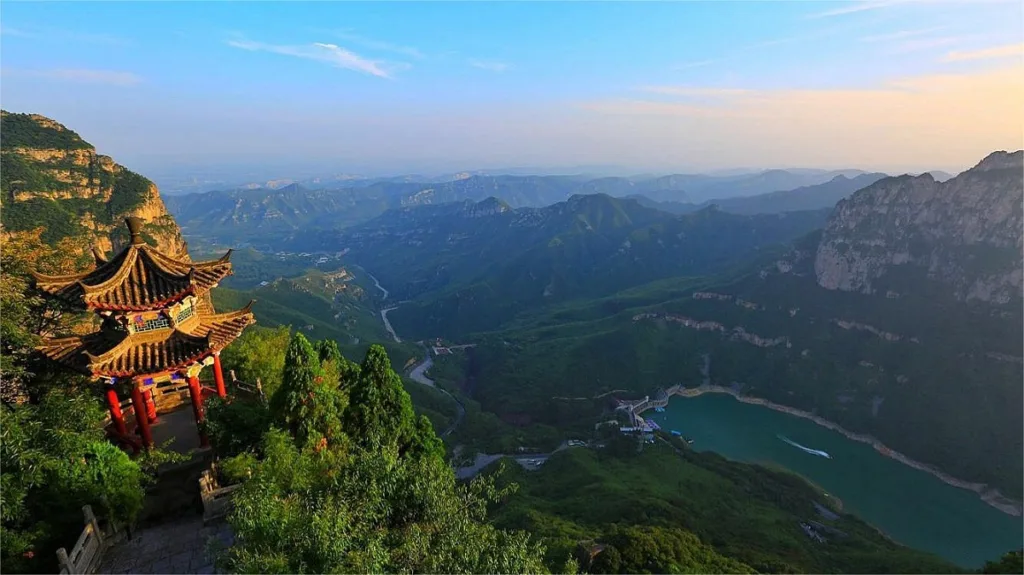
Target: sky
pixel 389 87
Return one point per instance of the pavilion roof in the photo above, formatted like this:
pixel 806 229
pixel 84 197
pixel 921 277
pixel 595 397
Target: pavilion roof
pixel 139 278
pixel 121 354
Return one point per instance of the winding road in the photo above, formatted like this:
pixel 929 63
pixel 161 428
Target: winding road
pixel 419 373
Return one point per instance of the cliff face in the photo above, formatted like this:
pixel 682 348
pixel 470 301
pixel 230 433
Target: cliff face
pixel 965 234
pixel 53 179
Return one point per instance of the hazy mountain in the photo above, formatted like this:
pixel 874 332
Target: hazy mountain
pixel 252 214
pixel 474 265
pixel 702 188
pixel 815 197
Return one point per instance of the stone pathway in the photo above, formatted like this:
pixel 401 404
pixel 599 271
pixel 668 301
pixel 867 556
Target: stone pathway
pixel 177 547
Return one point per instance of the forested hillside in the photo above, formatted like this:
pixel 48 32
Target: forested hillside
pixel 53 179
pixel 471 267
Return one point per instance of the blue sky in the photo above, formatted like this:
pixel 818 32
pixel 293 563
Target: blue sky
pixel 393 86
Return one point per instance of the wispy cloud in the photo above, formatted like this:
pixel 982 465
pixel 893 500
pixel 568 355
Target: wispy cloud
pixel 915 44
pixel 58 35
pixel 695 64
pixel 853 8
pixel 109 77
pixel 690 91
pixel 490 65
pixel 1010 51
pixel 379 45
pixel 901 35
pixel 321 52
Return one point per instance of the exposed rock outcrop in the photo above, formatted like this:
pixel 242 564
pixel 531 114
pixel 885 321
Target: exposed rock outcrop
pixel 51 178
pixel 965 233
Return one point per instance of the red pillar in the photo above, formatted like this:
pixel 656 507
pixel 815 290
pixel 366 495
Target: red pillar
pixel 218 376
pixel 115 411
pixel 141 420
pixel 150 405
pixel 197 406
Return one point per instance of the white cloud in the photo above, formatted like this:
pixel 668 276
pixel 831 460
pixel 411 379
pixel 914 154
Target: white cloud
pixel 379 45
pixel 900 35
pixel 320 52
pixel 109 77
pixel 490 65
pixel 853 8
pixel 1012 50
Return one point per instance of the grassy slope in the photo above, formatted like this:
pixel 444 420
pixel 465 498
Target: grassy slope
pixel 748 513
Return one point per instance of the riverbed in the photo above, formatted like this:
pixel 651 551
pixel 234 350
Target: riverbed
pixel 911 506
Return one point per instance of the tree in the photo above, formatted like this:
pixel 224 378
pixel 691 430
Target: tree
pixel 1011 562
pixel 25 315
pixel 380 498
pixel 305 405
pixel 378 391
pixel 54 458
pixel 370 511
pixel 235 426
pixel 259 354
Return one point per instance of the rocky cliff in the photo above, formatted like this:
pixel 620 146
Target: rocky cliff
pixel 964 234
pixel 51 178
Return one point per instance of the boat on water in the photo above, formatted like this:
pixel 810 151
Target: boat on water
pixel 676 433
pixel 817 452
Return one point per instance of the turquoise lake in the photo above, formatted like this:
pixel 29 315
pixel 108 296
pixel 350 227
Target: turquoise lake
pixel 910 506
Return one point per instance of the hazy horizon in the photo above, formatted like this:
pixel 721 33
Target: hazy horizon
pixel 388 89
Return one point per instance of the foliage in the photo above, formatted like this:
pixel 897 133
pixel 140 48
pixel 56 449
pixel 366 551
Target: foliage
pixel 24 314
pixel 336 368
pixel 372 511
pixel 235 427
pixel 306 405
pixel 376 497
pixel 1011 562
pixel 259 354
pixel 129 192
pixel 23 131
pixel 691 511
pixel 644 549
pixel 54 459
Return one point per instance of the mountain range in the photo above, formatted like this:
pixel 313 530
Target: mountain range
pixel 469 266
pixel 268 215
pixel 901 318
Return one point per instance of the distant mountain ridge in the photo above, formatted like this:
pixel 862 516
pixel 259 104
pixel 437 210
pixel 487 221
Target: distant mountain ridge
pixel 473 265
pixel 261 214
pixel 814 197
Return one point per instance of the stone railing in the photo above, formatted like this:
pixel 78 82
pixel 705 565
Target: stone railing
pixel 216 499
pixel 250 389
pixel 88 550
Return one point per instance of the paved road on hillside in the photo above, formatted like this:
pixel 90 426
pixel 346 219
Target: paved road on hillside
pixel 419 373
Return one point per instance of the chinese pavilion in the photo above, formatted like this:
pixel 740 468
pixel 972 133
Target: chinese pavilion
pixel 158 327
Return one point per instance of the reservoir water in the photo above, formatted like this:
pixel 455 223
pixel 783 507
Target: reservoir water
pixel 910 506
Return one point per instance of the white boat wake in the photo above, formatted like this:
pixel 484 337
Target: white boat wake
pixel 817 452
